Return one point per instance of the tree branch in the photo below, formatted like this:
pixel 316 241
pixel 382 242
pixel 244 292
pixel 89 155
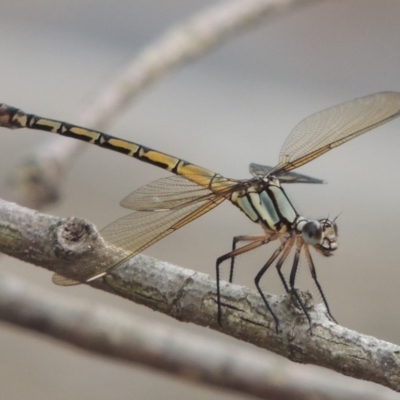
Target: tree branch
pixel 114 334
pixel 63 245
pixel 191 357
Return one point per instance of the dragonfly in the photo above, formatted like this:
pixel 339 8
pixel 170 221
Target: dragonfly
pixel 166 205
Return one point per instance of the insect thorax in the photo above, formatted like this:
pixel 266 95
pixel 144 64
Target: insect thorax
pixel 265 202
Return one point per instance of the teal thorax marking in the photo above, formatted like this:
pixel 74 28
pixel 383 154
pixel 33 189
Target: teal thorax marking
pixel 267 203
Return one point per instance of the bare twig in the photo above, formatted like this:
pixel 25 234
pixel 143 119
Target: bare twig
pixel 36 182
pixel 114 334
pixel 186 295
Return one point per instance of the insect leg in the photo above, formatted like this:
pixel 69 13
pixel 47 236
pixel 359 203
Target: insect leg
pixel 282 259
pixel 253 245
pixel 293 278
pixel 237 239
pixel 262 272
pixel 314 276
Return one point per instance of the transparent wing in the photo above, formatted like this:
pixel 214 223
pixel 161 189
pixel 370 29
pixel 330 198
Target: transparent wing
pixel 174 192
pixel 260 171
pixel 334 126
pixel 138 231
pixel 132 234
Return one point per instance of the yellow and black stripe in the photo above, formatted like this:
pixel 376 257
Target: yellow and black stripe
pixel 15 118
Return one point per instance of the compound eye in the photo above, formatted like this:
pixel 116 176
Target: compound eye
pixel 312 232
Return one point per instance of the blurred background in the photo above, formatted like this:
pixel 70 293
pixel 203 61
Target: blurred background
pixel 230 108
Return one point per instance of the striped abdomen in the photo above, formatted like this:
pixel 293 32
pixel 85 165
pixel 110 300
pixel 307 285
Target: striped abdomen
pixel 15 118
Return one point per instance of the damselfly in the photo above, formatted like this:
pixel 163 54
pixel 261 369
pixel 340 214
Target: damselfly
pixel 167 204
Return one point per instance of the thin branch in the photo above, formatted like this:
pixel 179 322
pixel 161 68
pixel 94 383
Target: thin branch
pixel 36 182
pixel 188 356
pixel 63 246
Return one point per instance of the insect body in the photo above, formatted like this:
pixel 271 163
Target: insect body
pixel 167 204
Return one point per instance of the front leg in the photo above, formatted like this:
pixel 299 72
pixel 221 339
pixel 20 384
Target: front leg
pixel 279 264
pixel 292 279
pixel 314 276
